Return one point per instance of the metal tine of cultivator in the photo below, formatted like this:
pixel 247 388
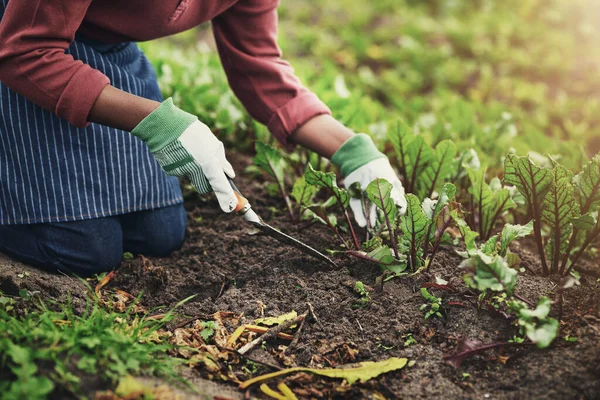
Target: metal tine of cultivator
pixel 244 209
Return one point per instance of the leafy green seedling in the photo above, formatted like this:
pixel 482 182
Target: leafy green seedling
pixel 433 306
pixel 271 160
pixel 340 195
pixel 409 340
pixel 484 272
pixel 536 324
pixel 365 297
pixel 491 201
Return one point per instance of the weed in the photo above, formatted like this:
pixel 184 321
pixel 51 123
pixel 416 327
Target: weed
pixel 48 346
pixel 433 307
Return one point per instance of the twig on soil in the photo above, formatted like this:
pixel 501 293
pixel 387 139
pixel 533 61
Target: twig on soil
pixel 311 313
pixel 265 364
pixel 271 333
pixel 262 329
pixel 192 319
pixel 359 325
pixel 220 291
pixel 524 300
pixel 294 342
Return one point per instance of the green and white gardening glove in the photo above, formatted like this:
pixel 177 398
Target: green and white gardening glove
pixel 186 148
pixel 360 161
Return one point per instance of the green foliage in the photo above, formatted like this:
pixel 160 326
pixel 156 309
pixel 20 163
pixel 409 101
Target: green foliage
pixel 271 160
pixel 533 183
pixel 364 296
pixel 208 329
pixel 512 232
pixel 536 324
pixel 484 272
pixel 441 166
pixel 491 200
pixel 569 214
pixel 424 169
pixel 414 226
pixel 558 209
pixel 49 346
pixel 433 306
pixel 328 181
pixel 379 192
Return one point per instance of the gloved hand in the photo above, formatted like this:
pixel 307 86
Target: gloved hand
pixel 360 161
pixel 186 148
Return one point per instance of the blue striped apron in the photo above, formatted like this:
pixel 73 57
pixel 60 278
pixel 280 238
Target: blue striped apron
pixel 51 171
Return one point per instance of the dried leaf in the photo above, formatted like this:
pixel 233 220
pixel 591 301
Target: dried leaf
pixel 104 282
pixel 270 321
pixel 360 372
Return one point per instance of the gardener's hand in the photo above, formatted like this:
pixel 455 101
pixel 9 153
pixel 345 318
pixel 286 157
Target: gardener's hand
pixel 361 162
pixel 186 148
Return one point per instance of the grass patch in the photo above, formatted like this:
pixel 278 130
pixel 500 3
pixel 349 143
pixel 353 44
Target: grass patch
pixel 48 349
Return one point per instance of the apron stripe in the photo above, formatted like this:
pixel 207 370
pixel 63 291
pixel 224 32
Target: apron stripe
pixel 51 171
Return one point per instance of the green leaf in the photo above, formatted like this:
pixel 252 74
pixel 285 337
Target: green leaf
pixel 420 156
pixel 446 196
pixel 588 183
pixel 379 192
pixel 492 200
pixel 512 232
pixel 532 181
pixel 538 327
pixel 401 138
pixel 558 209
pixel 468 235
pixel 414 226
pixel 489 273
pixel 361 372
pixel 384 255
pixel 490 247
pixel 585 222
pixel 271 160
pixel 440 167
pixel 327 180
pixel 302 192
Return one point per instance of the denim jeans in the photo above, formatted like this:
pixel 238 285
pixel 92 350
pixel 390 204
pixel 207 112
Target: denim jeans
pixel 96 245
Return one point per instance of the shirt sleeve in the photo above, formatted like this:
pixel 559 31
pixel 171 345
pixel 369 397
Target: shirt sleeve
pixel 246 37
pixel 34 36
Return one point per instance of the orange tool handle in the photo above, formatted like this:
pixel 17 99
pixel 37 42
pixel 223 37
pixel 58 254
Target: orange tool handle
pixel 242 201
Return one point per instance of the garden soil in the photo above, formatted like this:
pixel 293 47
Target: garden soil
pixel 228 266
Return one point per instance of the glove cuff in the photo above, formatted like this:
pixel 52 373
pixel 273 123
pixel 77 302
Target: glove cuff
pixel 163 125
pixel 356 152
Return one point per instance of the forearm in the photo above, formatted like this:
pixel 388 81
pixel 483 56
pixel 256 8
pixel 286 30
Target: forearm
pixel 322 134
pixel 120 110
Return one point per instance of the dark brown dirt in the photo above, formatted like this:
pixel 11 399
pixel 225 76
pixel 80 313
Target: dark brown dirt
pixel 229 267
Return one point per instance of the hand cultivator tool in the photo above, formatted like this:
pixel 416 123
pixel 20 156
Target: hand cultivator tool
pixel 245 210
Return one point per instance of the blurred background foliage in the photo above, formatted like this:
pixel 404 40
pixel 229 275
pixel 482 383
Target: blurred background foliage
pixel 493 75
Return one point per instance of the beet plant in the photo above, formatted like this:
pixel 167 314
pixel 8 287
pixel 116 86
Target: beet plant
pixel 424 169
pixel 272 161
pixel 495 278
pixel 564 203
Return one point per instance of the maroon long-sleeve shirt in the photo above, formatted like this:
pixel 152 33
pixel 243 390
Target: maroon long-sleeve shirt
pixel 34 35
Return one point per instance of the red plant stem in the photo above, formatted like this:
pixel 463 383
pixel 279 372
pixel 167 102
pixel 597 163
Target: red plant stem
pixel 565 258
pixel 537 231
pixel 356 244
pixel 390 227
pixel 589 240
pixel 497 214
pixel 283 194
pixel 365 257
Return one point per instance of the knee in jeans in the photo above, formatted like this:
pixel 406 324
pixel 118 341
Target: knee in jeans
pixel 88 255
pixel 162 243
